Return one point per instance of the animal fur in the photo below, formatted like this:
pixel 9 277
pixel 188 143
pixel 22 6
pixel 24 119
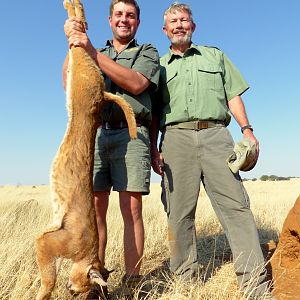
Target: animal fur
pixel 73 234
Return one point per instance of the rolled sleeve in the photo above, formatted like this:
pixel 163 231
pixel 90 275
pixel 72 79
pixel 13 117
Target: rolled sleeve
pixel 147 63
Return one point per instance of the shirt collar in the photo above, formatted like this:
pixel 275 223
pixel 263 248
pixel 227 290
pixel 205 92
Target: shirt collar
pixel 131 44
pixel 192 50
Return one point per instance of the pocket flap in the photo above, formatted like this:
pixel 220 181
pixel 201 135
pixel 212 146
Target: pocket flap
pixel 210 68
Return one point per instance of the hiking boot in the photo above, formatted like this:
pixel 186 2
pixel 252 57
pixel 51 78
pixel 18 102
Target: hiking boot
pixel 98 292
pixel 130 284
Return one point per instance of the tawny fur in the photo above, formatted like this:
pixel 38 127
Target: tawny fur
pixel 73 234
pixel 285 261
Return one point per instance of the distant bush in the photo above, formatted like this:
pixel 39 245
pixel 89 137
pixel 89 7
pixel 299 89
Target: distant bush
pixel 273 178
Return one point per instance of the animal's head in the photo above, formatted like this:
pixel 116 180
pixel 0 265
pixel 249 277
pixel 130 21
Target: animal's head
pixel 83 277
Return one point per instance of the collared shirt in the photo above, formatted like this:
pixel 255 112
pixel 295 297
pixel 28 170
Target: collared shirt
pixel 140 58
pixel 197 86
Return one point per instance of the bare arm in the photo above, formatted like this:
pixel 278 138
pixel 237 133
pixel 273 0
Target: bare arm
pixel 126 78
pixel 156 157
pixel 238 110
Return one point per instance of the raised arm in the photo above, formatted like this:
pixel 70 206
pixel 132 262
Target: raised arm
pixel 128 79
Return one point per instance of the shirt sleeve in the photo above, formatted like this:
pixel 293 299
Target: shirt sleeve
pixel 147 63
pixel 234 83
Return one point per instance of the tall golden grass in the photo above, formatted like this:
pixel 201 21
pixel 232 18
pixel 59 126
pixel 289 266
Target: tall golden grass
pixel 25 212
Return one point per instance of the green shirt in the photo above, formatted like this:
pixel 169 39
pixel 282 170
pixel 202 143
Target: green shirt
pixel 197 86
pixel 143 59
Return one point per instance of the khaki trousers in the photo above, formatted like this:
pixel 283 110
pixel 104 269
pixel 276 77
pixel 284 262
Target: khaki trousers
pixel 190 157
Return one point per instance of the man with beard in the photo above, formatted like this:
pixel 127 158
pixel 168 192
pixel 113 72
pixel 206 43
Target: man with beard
pixel 198 88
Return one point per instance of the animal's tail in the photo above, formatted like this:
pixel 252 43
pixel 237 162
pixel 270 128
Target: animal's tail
pixel 127 109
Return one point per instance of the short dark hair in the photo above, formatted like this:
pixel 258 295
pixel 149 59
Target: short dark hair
pixel 132 2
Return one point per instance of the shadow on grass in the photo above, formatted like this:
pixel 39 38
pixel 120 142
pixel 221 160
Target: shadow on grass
pixel 213 252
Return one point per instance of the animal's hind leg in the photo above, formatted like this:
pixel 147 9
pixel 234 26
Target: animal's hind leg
pixel 75 10
pixel 69 8
pixel 127 109
pixel 79 12
pixel 49 246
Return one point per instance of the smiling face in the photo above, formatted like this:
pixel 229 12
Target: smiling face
pixel 179 27
pixel 124 22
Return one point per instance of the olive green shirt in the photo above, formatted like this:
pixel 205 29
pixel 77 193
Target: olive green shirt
pixel 143 59
pixel 197 86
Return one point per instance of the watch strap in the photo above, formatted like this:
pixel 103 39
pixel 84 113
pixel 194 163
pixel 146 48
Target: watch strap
pixel 246 127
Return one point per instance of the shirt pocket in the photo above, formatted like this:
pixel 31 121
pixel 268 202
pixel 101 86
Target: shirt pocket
pixel 210 76
pixel 126 59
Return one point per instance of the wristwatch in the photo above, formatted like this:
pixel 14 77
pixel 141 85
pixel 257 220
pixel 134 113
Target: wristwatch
pixel 246 127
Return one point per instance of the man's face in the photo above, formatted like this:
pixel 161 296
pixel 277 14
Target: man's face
pixel 124 22
pixel 179 28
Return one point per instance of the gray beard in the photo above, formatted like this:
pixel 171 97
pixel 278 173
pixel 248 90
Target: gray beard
pixel 181 41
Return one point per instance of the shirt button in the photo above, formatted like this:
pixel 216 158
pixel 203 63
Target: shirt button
pixel 190 83
pixel 191 100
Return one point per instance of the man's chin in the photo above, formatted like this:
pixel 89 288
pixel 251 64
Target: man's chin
pixel 180 41
pixel 125 35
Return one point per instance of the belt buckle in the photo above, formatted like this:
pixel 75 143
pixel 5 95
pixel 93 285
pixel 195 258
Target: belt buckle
pixel 106 125
pixel 201 125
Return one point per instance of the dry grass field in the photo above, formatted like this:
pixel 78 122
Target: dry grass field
pixel 25 211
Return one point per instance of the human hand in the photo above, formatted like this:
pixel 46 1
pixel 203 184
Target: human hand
pixel 73 25
pixel 75 31
pixel 157 162
pixel 248 134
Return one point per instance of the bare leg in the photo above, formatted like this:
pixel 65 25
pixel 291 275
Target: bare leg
pixel 101 206
pixel 131 209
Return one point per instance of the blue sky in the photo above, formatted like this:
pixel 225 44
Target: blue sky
pixel 262 38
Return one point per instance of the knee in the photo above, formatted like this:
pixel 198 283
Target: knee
pixel 131 213
pixel 181 226
pixel 101 206
pixel 101 201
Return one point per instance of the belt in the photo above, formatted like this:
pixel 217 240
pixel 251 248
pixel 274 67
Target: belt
pixel 196 125
pixel 120 124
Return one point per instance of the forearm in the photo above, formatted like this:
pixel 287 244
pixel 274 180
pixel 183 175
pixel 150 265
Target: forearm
pixel 153 133
pixel 124 77
pixel 156 157
pixel 237 109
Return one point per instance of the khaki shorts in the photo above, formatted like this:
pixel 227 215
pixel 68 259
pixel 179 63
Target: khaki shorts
pixel 121 163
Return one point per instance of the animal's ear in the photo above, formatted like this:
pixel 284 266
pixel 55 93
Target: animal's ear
pixel 95 277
